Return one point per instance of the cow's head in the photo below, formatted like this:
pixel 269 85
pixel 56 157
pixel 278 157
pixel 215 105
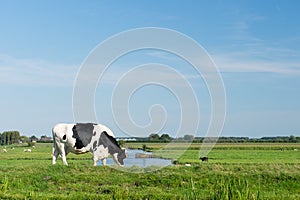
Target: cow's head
pixel 121 156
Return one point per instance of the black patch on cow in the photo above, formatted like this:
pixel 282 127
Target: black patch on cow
pixel 94 133
pixel 83 133
pixel 64 137
pixel 113 146
pixel 95 145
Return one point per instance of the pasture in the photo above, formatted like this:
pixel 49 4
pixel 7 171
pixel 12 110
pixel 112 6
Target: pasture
pixel 234 171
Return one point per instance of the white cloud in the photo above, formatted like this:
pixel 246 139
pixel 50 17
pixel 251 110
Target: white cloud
pixel 236 65
pixel 35 72
pixel 156 73
pixel 250 53
pixel 164 55
pixel 258 58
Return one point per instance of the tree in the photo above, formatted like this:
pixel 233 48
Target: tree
pixel 154 137
pixel 43 137
pixel 292 139
pixel 188 137
pixel 15 136
pixel 1 139
pixel 165 137
pixel 122 143
pixel 33 138
pixel 24 139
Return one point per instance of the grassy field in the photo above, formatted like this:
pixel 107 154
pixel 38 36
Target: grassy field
pixel 234 171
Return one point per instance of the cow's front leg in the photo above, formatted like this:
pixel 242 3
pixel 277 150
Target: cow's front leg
pixel 103 161
pixel 95 158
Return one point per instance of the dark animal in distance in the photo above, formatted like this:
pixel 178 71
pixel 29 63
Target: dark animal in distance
pixel 204 158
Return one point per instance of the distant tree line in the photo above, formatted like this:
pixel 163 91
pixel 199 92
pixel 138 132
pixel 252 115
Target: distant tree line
pixel 9 137
pixel 42 139
pixel 154 137
pixel 13 137
pixel 276 139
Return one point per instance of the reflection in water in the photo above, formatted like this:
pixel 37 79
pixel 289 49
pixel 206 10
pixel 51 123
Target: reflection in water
pixel 141 162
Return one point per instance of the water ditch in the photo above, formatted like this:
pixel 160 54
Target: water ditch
pixel 141 158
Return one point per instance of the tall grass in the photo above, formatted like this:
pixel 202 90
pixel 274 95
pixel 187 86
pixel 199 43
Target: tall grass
pixel 4 184
pixel 233 188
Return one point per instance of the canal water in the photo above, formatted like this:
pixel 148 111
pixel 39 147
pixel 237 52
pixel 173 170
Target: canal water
pixel 131 160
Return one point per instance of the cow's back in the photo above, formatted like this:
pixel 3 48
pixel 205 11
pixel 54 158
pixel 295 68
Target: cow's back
pixel 101 128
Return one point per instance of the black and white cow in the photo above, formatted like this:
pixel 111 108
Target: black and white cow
pixel 86 137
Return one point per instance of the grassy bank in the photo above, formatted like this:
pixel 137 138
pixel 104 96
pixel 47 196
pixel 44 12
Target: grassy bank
pixel 31 176
pixel 36 180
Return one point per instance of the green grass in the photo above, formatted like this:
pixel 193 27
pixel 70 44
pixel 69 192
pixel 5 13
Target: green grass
pixel 234 156
pixel 270 174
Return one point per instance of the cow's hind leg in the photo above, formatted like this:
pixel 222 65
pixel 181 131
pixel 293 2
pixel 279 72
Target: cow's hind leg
pixel 63 154
pixel 59 149
pixel 54 155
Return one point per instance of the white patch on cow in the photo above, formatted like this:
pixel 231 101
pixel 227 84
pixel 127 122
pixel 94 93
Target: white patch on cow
pixel 101 153
pixel 62 146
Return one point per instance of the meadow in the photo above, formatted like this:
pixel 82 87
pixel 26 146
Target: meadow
pixel 234 171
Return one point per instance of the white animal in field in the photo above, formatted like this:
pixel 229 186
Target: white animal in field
pixel 86 137
pixel 4 151
pixel 27 150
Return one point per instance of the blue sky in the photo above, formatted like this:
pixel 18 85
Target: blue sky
pixel 255 44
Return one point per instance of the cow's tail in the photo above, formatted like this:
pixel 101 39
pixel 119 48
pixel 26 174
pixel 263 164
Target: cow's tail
pixel 54 141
